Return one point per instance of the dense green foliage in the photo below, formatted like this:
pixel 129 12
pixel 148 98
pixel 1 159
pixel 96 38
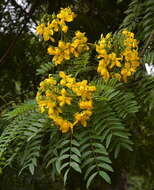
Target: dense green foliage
pixel 30 140
pixel 123 117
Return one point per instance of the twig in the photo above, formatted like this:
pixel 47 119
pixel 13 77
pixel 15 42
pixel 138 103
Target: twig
pixel 147 43
pixel 19 34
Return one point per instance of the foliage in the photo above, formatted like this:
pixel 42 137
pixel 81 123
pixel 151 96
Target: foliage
pixel 122 114
pixel 31 134
pixel 140 17
pixel 88 150
pixel 18 21
pixel 139 183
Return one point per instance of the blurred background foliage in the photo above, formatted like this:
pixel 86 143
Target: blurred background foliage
pixel 23 63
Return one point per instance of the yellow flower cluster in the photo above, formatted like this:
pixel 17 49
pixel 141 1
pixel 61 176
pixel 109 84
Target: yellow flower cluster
pixel 118 55
pixel 57 24
pixel 53 96
pixel 130 55
pixel 66 50
pixel 84 91
pixel 66 15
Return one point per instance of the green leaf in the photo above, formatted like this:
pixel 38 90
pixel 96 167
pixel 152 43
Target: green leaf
pixel 51 161
pixel 63 143
pixel 74 142
pixel 85 146
pixel 64 150
pixel 65 175
pixel 127 146
pixel 75 158
pixel 86 153
pixel 31 168
pixel 34 161
pixel 58 166
pixel 101 152
pixel 105 176
pixel 117 150
pixel 76 151
pixel 105 166
pixel 105 133
pixel 75 166
pixel 121 134
pixel 108 140
pixel 64 156
pixel 90 179
pixel 87 161
pixel 64 165
pixel 101 147
pixel 104 159
pixel 88 171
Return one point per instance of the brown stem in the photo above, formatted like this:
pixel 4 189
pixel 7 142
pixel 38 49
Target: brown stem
pixel 147 43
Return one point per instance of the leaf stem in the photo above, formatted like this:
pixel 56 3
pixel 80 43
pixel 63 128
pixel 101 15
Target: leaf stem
pixel 147 43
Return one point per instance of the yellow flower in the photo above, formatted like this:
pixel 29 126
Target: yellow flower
pixel 125 73
pixel 66 126
pixel 76 54
pixel 124 55
pixel 54 25
pixel 117 76
pixel 65 50
pixel 52 98
pixel 79 34
pixel 112 56
pixel 102 52
pixel 83 117
pixel 51 50
pixel 108 36
pixel 117 63
pixel 86 104
pixel 125 32
pixel 61 44
pixel 105 73
pixel 63 99
pixel 47 33
pixel 64 28
pixel 42 85
pixel 40 29
pixel 42 109
pixel 62 74
pixel 66 14
pixel 79 43
pixel 50 80
pixel 75 43
pixel 92 88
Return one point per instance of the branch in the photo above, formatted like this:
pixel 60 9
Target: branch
pixel 147 43
pixel 22 10
pixel 3 9
pixel 19 34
